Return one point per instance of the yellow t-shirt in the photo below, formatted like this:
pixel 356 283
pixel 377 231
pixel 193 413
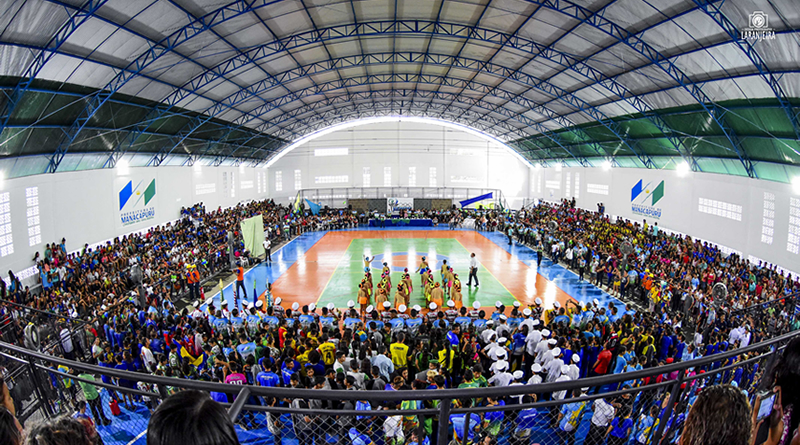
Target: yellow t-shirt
pixel 328 352
pixel 399 354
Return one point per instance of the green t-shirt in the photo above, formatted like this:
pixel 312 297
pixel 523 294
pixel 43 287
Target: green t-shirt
pixel 481 382
pixel 89 390
pixel 472 384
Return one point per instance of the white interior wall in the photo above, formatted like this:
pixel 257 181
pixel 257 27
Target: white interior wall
pixel 461 159
pixel 83 207
pixel 680 205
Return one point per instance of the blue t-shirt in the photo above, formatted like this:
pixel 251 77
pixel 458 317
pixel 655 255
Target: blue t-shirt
pixel 571 419
pixel 268 379
pixel 618 430
pixel 458 425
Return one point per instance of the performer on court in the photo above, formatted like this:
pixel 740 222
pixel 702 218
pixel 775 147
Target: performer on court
pixel 437 295
pixel 363 298
pixel 399 297
pixel 423 265
pixel 455 292
pixel 382 295
pixel 448 281
pixel 407 279
pixel 428 288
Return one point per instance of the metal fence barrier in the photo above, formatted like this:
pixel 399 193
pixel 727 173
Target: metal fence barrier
pixel 639 407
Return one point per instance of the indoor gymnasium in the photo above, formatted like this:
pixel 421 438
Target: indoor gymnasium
pixel 399 222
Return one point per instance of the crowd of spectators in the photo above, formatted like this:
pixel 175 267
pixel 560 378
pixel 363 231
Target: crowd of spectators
pixel 416 348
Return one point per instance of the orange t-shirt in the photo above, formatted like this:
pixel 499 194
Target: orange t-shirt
pixel 240 273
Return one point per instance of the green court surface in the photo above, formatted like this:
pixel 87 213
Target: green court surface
pixel 407 253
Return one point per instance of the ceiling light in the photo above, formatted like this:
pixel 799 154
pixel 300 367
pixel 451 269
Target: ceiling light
pixel 607 165
pixel 683 168
pixel 559 167
pixel 796 185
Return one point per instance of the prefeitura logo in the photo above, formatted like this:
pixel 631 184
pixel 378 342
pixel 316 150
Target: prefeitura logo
pixel 644 198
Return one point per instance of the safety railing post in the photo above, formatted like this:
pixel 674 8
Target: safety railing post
pixel 444 418
pixel 236 407
pixel 40 390
pixel 674 394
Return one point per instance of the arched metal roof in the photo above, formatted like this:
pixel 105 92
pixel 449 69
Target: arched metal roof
pixel 634 82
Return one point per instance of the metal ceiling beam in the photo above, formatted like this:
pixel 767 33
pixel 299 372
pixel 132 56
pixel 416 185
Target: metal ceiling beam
pixel 447 61
pixel 44 55
pixel 714 11
pixel 635 42
pixel 154 52
pixel 476 87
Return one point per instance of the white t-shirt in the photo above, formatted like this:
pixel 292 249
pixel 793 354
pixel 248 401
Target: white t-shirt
pixel 267 244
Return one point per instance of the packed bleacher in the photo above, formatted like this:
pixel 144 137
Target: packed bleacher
pixel 400 348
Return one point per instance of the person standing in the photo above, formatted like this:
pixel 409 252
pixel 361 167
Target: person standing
pixel 240 284
pixel 193 279
pixel 473 270
pixel 267 250
pixel 93 399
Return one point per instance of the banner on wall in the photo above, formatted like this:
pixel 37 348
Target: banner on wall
pixel 135 201
pixel 253 235
pixel 394 205
pixel 645 198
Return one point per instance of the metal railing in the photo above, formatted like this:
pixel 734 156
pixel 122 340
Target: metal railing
pixel 529 413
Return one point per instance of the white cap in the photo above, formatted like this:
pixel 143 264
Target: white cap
pixel 556 351
pixel 502 340
pixel 503 317
pixel 497 303
pixel 526 312
pixel 516 304
pixel 386 304
pixel 575 358
pixel 224 303
pixel 552 341
pixel 295 306
pixel 502 365
pixel 369 308
pixel 518 375
pixel 451 303
pixel 278 300
pixel 536 322
pixel 312 306
pixel 196 303
pixel 259 303
pixel 490 323
pixel 538 301
pixel 250 306
pixel 402 308
pixel 556 304
pixel 476 305
pixel 351 304
pixel 545 332
pixel 432 306
pixel 536 367
pixel 564 369
pixel 417 307
pixel 331 306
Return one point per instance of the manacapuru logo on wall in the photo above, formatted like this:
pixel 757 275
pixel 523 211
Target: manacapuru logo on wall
pixel 645 197
pixel 134 201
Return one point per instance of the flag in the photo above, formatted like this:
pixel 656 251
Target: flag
pixel 313 207
pixel 297 203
